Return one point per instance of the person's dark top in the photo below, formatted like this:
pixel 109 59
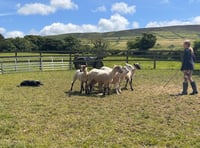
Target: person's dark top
pixel 188 60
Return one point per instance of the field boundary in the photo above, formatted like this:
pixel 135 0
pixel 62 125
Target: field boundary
pixel 48 61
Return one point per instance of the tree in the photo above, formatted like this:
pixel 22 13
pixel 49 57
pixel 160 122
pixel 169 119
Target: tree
pixel 196 45
pixel 144 43
pixel 36 41
pixel 72 43
pixel 52 44
pixel 2 43
pixel 100 46
pixel 9 45
pixel 1 37
pixel 21 44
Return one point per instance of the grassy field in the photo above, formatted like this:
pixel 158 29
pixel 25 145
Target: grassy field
pixel 168 38
pixel 150 116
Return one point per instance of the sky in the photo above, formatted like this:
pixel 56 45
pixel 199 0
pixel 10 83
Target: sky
pixel 51 17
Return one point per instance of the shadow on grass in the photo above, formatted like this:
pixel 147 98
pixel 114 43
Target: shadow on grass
pixel 94 94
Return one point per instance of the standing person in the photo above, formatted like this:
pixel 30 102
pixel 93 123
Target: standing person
pixel 188 67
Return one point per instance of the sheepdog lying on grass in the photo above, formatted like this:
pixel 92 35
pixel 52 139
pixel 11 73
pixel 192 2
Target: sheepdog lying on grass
pixel 34 83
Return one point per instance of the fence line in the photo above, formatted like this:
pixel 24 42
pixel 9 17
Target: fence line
pixel 26 64
pixel 47 61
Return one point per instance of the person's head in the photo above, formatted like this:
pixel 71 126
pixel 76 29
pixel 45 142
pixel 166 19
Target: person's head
pixel 186 44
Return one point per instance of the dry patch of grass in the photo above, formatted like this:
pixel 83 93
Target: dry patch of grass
pixel 149 116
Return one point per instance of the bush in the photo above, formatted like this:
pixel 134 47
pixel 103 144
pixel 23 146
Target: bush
pixel 143 43
pixel 196 45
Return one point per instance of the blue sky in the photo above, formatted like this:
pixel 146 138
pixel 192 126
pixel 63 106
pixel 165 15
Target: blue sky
pixel 50 17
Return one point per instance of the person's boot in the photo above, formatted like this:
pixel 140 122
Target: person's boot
pixel 185 88
pixel 194 88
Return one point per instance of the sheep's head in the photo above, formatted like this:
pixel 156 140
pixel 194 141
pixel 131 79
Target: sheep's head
pixel 137 66
pixel 118 68
pixel 83 68
pixel 130 67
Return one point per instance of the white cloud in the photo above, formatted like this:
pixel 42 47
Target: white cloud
pixel 65 4
pixel 193 21
pixel 36 8
pixel 116 22
pixel 44 9
pixel 135 25
pixel 196 20
pixel 14 34
pixel 100 9
pixel 2 30
pixel 123 8
pixel 60 28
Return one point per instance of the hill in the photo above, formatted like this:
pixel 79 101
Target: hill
pixel 167 37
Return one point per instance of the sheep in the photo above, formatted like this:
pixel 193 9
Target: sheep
pixel 80 75
pixel 117 78
pixel 130 74
pixel 103 77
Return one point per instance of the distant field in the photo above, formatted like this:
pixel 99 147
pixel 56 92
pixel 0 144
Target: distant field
pixel 150 116
pixel 167 37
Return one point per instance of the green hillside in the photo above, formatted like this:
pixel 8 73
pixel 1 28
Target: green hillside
pixel 167 37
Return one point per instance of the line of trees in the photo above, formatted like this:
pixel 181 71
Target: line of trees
pixel 34 43
pixel 31 43
pixel 38 43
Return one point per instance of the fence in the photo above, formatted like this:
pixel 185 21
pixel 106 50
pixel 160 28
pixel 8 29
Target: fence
pixel 11 64
pixel 47 61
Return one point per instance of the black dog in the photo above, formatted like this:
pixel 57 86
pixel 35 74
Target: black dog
pixel 35 83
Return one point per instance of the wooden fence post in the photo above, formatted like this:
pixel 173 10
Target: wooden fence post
pixel 127 56
pixel 15 64
pixel 70 60
pixel 41 64
pixel 2 69
pixel 154 62
pixel 29 65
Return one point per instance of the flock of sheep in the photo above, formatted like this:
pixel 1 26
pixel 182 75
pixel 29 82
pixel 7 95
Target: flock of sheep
pixel 104 77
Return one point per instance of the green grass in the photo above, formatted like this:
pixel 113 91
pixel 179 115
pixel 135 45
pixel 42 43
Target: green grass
pixel 150 116
pixel 168 38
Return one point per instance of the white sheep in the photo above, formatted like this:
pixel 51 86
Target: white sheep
pixel 81 75
pixel 130 74
pixel 103 77
pixel 118 77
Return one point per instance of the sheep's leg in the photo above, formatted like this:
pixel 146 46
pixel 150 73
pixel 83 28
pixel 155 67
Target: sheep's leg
pixel 86 88
pixel 90 88
pixel 81 87
pixel 108 90
pixel 131 84
pixel 126 84
pixel 72 85
pixel 104 91
pixel 117 89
